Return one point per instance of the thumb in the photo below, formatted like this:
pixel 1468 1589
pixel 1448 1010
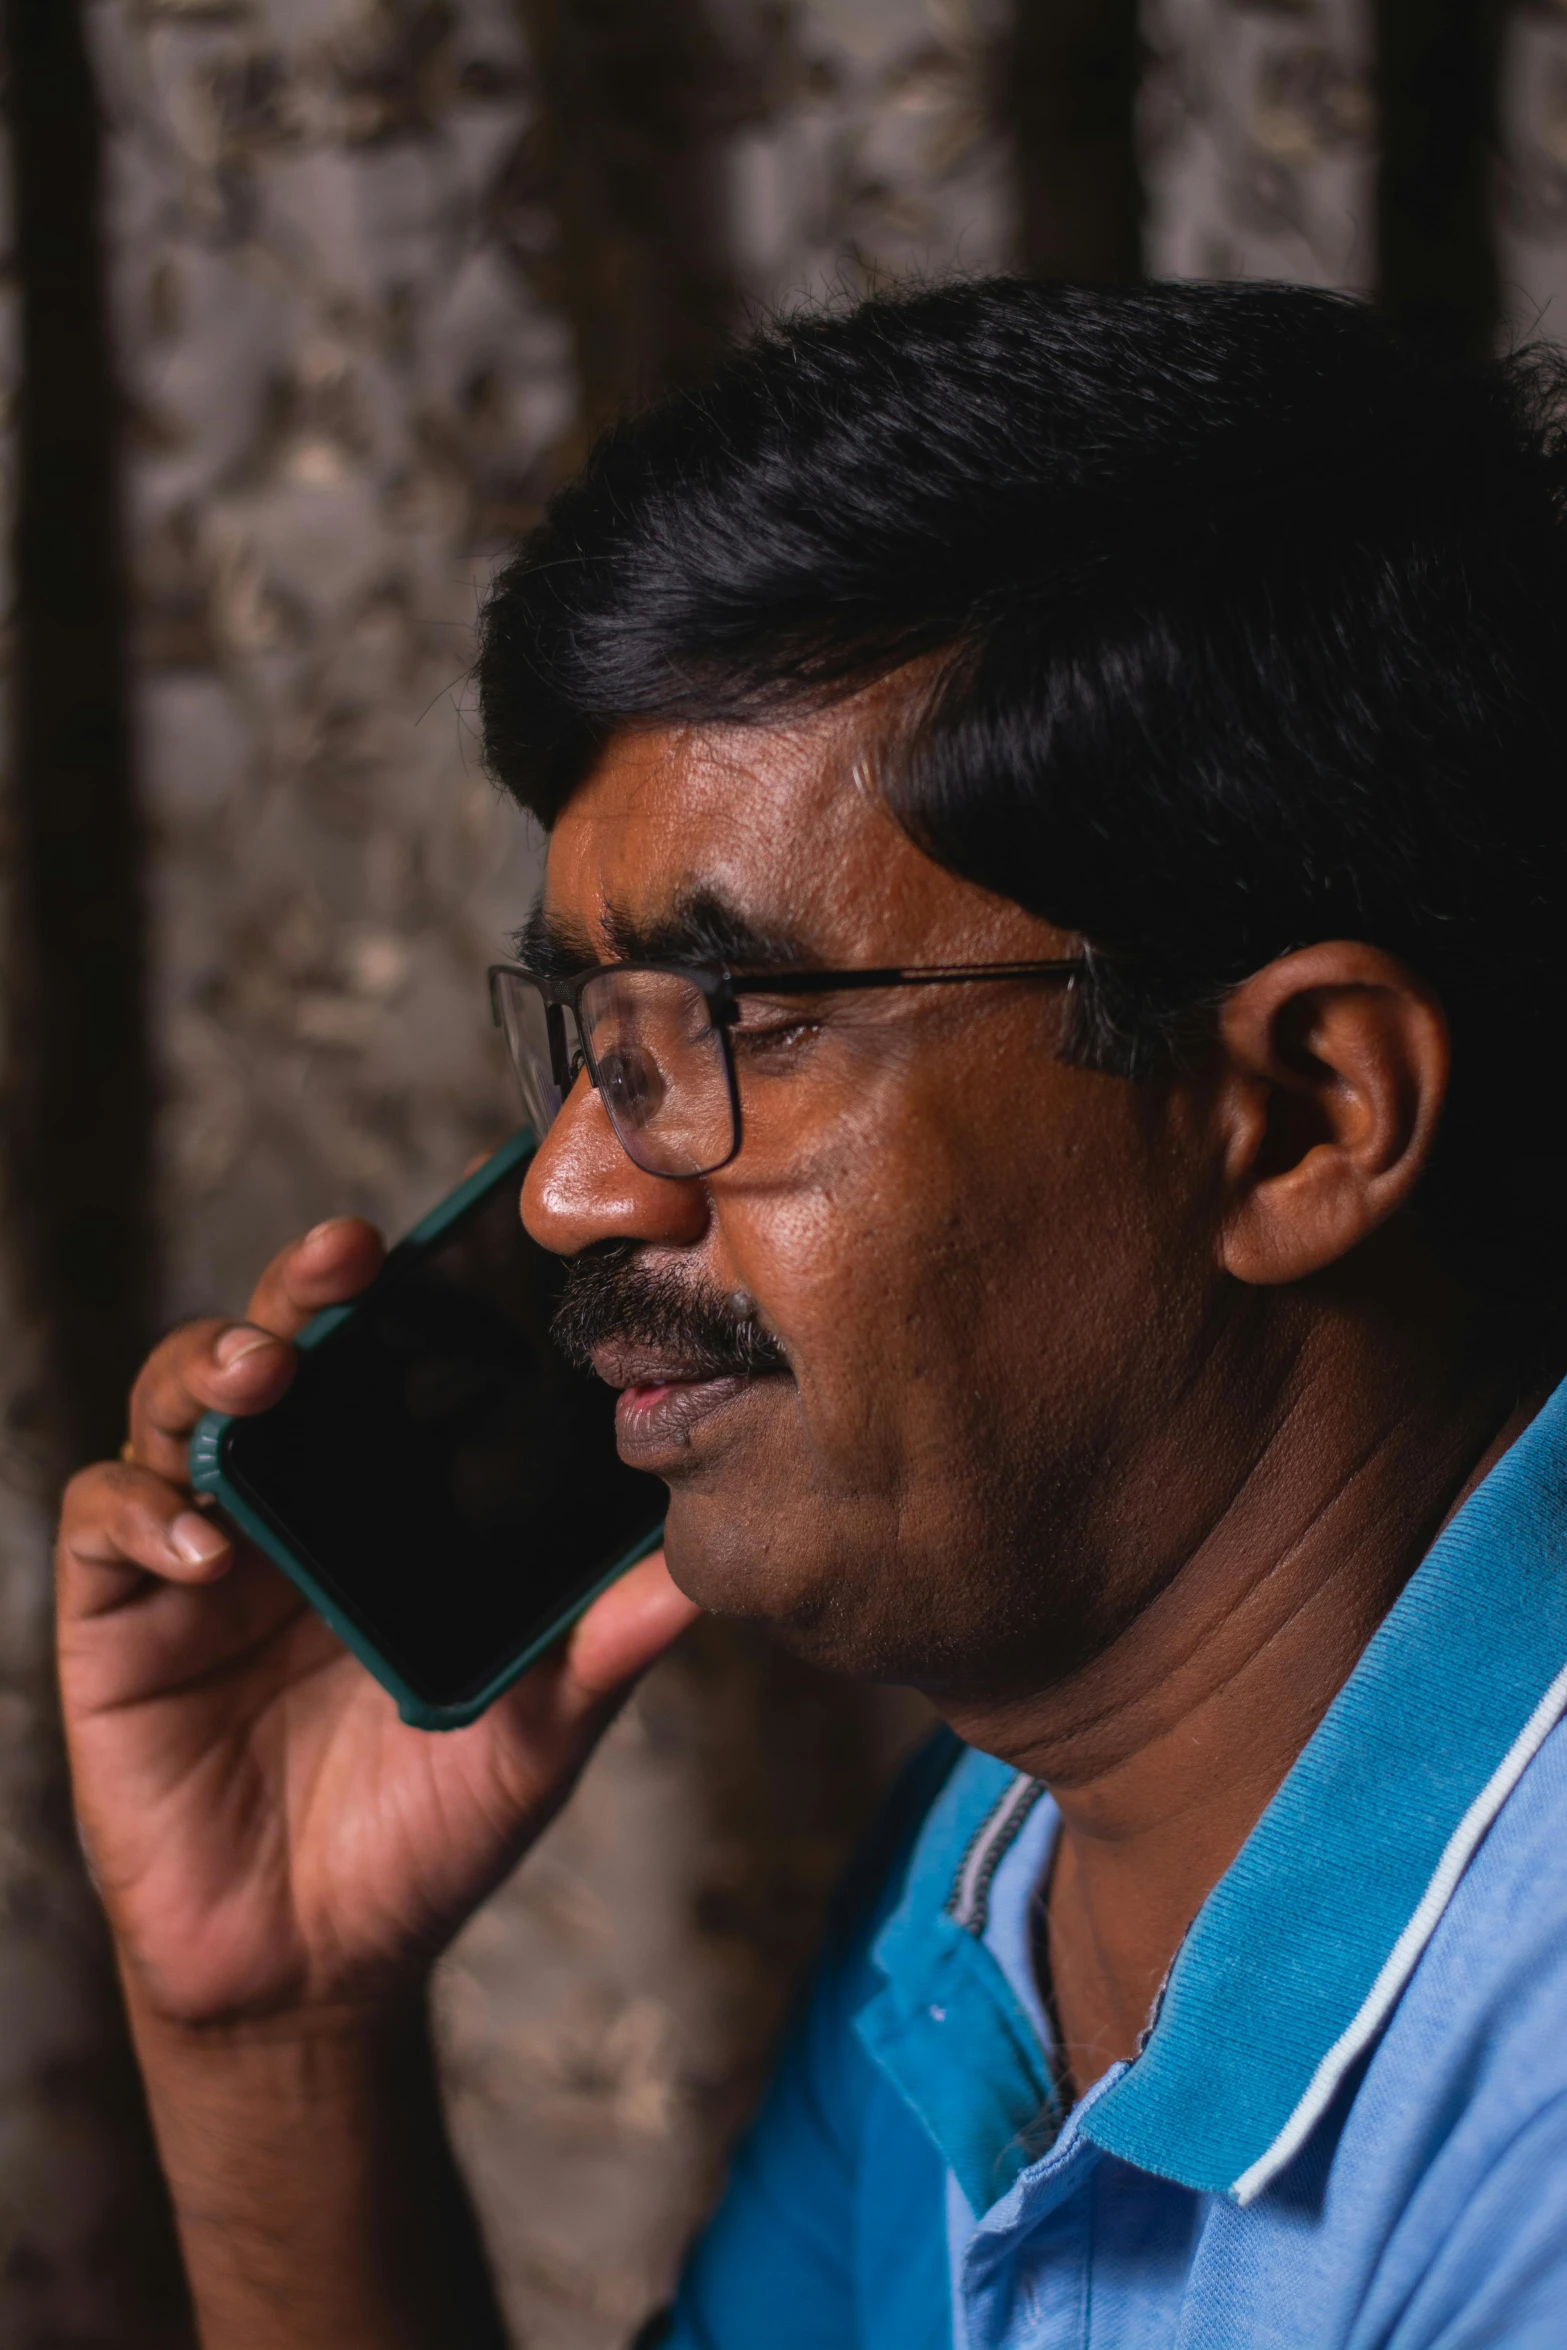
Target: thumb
pixel 628 1628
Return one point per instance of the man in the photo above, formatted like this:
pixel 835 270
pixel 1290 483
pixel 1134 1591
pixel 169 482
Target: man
pixel 1119 1293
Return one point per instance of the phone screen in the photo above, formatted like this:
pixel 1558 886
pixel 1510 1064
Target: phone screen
pixel 437 1464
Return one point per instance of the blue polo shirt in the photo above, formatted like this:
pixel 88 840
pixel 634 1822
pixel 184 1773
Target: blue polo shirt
pixel 1346 2128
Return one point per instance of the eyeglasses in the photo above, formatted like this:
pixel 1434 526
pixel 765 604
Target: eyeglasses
pixel 656 1041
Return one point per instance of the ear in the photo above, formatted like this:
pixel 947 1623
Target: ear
pixel 1333 1070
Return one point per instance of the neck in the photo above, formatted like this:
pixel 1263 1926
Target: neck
pixel 1164 1750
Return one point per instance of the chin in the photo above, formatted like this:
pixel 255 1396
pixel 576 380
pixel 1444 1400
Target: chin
pixel 788 1577
pixel 736 1561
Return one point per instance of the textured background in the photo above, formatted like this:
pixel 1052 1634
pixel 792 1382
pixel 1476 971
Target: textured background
pixel 373 271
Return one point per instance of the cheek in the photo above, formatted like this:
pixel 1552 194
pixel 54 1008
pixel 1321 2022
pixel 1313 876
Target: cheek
pixel 836 1267
pixel 906 1285
pixel 950 1290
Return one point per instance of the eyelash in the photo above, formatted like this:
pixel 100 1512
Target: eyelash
pixel 777 1033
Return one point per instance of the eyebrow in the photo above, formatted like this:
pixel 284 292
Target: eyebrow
pixel 701 927
pixel 550 948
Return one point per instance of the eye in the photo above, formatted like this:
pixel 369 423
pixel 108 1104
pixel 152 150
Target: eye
pixel 773 1036
pixel 633 1085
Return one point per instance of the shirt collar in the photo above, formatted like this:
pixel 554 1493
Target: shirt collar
pixel 1298 1955
pixel 947 2028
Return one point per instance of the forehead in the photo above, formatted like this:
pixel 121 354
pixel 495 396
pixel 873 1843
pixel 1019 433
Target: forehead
pixel 783 823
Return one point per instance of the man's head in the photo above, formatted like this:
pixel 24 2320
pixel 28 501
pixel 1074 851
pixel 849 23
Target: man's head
pixel 1202 633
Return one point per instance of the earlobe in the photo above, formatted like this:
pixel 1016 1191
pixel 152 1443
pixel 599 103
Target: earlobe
pixel 1334 1065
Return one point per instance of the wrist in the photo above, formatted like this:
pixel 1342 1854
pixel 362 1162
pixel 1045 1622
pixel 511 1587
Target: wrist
pixel 247 2110
pixel 310 2177
pixel 333 2033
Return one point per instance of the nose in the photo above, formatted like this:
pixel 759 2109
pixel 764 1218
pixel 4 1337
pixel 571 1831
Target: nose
pixel 581 1187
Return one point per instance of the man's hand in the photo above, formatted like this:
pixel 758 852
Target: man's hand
pixel 264 1829
pixel 281 1857
pixel 267 1835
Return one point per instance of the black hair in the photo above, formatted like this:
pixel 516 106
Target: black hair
pixel 1244 625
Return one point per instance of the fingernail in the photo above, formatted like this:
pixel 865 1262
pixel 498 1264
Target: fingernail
pixel 195 1540
pixel 320 1231
pixel 237 1343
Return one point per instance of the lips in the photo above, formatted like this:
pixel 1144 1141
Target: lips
pixel 630 1362
pixel 665 1402
pixel 656 1425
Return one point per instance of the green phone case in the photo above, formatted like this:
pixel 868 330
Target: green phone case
pixel 207 1476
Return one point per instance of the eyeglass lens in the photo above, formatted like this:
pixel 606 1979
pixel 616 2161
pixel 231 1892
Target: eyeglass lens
pixel 662 1072
pixel 525 1023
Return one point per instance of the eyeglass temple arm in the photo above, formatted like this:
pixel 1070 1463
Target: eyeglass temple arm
pixel 896 975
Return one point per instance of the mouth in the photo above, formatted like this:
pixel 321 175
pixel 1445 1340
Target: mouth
pixel 665 1403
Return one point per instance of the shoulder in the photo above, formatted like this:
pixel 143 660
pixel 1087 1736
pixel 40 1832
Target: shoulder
pixel 1481 2029
pixel 1505 1929
pixel 1455 2145
pixel 835 2195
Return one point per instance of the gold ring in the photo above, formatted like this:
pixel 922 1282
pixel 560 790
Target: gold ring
pixel 128 1450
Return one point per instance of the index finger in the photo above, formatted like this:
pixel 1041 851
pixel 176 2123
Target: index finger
pixel 239 1367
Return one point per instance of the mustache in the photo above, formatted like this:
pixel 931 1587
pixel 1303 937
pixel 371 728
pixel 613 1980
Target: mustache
pixel 611 1294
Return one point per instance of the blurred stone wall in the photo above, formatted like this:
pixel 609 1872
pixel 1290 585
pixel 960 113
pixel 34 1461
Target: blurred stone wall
pixel 380 266
pixel 1531 210
pixel 1257 131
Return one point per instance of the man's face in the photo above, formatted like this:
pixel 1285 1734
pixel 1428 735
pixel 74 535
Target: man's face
pixel 986 1271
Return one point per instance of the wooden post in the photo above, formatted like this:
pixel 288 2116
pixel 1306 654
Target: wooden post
pixel 1436 69
pixel 627 155
pixel 1069 88
pixel 88 2244
pixel 79 1091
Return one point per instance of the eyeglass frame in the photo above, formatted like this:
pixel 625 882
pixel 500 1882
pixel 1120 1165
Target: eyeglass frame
pixel 722 990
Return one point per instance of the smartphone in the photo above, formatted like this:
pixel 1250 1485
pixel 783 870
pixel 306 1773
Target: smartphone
pixel 438 1481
